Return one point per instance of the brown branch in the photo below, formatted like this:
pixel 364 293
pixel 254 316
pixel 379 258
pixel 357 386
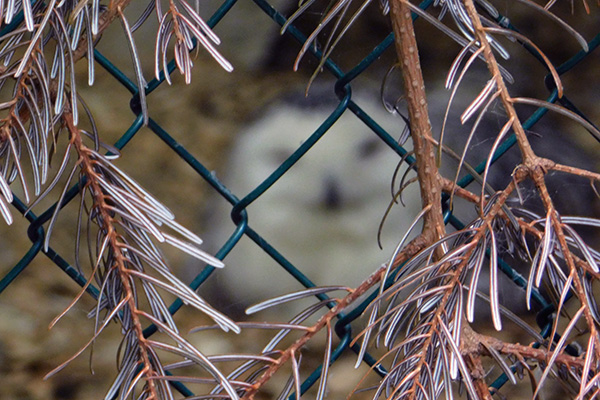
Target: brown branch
pixel 455 280
pixel 15 111
pixel 119 260
pixel 420 126
pixel 104 21
pixel 537 167
pixel 467 342
pixel 575 171
pixel 475 367
pixel 449 187
pixel 529 156
pixel 537 173
pixel 517 350
pixel 416 245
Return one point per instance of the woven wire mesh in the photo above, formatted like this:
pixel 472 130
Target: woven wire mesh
pixel 344 80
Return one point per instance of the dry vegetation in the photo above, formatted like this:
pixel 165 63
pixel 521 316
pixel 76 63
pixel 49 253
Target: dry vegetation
pixel 420 334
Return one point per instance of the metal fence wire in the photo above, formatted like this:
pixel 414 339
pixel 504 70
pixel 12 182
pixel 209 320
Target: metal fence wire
pixel 343 88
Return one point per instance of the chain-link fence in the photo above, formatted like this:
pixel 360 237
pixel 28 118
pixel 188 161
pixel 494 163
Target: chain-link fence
pixel 343 87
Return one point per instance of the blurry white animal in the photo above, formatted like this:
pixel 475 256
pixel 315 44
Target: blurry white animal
pixel 323 214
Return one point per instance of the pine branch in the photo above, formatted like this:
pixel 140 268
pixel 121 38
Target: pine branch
pixel 127 217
